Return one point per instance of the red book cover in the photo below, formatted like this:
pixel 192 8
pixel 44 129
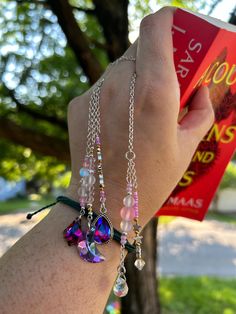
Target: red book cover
pixel 204 54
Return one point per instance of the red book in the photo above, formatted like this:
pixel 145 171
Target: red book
pixel 205 54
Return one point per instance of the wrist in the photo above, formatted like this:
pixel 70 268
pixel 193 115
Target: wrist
pixel 115 234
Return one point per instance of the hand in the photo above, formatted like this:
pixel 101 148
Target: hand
pixel 163 146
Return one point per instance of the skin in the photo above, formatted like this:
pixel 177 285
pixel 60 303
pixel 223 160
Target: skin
pixel 40 273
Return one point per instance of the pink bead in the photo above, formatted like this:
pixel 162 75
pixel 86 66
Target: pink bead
pixel 136 211
pixel 127 214
pixel 86 162
pixel 126 226
pixel 98 140
pixel 123 239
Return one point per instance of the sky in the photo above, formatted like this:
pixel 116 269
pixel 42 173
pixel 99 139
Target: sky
pixel 222 12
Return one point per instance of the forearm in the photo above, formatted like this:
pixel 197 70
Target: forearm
pixel 41 274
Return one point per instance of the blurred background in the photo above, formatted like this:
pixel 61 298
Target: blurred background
pixel 52 51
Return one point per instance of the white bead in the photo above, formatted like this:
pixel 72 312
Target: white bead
pixel 139 263
pixel 128 201
pixel 82 191
pixel 90 180
pixel 126 226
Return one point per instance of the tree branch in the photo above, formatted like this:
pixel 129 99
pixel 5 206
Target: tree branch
pixel 76 39
pixel 85 10
pixel 113 17
pixel 213 6
pixel 31 1
pixel 36 114
pixel 40 143
pixel 232 19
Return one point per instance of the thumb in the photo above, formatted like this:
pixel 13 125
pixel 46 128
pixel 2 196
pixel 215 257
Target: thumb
pixel 200 116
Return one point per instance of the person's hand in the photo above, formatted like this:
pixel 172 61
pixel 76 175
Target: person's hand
pixel 163 146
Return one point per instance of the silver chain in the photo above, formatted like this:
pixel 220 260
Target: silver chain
pixel 123 58
pixel 94 117
pixel 131 176
pixel 94 123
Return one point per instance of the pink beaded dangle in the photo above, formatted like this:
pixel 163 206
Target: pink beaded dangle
pixel 100 230
pixel 103 226
pixel 129 212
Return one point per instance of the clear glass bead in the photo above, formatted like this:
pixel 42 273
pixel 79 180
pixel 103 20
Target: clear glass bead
pixel 139 263
pixel 128 201
pixel 120 288
pixel 90 180
pixel 126 226
pixel 127 214
pixel 82 191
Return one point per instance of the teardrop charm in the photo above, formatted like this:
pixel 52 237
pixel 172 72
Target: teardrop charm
pixel 120 288
pixel 103 229
pixel 73 233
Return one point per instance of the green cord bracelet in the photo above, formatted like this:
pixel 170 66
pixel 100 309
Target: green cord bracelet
pixel 69 202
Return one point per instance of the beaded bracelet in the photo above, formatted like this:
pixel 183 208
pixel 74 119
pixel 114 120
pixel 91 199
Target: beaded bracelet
pixel 72 203
pixel 99 229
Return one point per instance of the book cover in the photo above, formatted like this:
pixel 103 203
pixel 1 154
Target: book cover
pixel 204 54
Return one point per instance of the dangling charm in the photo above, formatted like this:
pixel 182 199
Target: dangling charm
pixel 88 250
pixel 73 233
pixel 120 288
pixel 104 229
pixel 129 211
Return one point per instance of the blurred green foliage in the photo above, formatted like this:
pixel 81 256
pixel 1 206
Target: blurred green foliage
pixel 197 295
pixel 41 71
pixel 25 204
pixel 229 178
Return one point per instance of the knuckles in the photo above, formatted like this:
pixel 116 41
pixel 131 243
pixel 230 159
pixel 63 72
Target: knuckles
pixel 151 20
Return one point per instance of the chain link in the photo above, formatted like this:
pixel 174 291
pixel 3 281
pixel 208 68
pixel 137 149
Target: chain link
pixel 131 176
pixel 123 58
pixel 121 268
pixel 94 117
pixel 94 123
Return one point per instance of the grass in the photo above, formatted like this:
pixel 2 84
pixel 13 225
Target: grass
pixel 191 295
pixel 230 218
pixel 197 295
pixel 221 217
pixel 30 203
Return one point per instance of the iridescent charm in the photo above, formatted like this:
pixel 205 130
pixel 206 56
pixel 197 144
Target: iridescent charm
pixel 120 288
pixel 88 250
pixel 73 233
pixel 103 229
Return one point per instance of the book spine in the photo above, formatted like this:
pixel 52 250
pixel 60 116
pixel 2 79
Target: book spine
pixel 190 48
pixel 204 55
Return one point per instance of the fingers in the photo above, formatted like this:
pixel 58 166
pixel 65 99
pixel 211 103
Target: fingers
pixel 200 116
pixel 155 47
